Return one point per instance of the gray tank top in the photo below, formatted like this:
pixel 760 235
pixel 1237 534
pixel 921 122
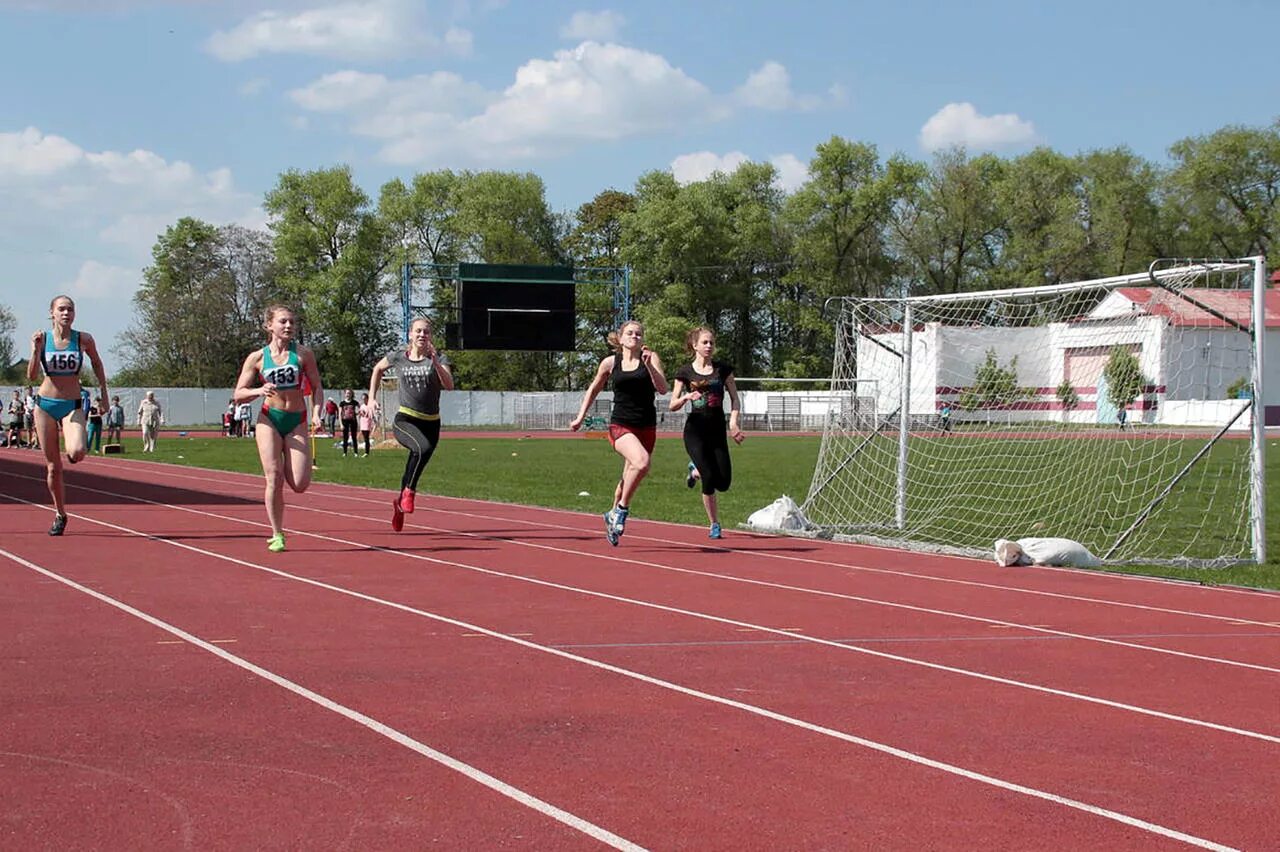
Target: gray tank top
pixel 419 383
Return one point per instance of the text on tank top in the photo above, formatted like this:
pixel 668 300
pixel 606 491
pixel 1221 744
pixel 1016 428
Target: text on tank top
pixel 62 362
pixel 286 376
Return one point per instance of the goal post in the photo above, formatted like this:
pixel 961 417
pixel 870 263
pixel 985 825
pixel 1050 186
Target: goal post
pixel 1125 413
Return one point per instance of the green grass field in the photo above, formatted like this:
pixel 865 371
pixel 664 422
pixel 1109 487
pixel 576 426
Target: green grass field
pixel 552 472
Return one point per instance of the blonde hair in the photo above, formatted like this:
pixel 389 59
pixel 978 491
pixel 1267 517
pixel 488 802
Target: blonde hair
pixel 56 299
pixel 615 337
pixel 691 339
pixel 427 320
pixel 270 313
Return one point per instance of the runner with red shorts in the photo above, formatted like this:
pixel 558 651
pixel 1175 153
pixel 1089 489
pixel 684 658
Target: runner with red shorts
pixel 636 374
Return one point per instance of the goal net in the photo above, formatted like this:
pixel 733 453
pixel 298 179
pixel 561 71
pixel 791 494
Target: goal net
pixel 1118 412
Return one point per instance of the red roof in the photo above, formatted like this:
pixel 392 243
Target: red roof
pixel 1231 303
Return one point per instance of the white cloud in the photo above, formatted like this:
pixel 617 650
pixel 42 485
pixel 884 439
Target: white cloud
pixel 593 26
pixel 360 30
pixel 88 219
pixel 99 281
pixel 961 124
pixel 256 86
pixel 700 165
pixel 792 172
pixel 593 92
pixel 769 87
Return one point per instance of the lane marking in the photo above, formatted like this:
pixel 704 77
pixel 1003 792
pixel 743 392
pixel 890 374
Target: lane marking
pixel 1047 690
pixel 525 798
pixel 480 777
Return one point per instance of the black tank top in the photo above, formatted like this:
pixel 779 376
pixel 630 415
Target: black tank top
pixel 633 393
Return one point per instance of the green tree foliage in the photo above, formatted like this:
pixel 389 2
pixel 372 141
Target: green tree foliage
pixel 1124 377
pixel 333 250
pixel 1067 395
pixel 838 223
pixel 1121 211
pixel 198 310
pixel 1044 239
pixel 8 348
pixel 1226 190
pixel 994 386
pixel 950 228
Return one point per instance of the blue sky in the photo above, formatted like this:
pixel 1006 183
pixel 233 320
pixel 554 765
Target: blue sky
pixel 119 116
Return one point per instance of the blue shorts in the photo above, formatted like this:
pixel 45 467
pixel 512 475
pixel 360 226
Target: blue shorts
pixel 58 409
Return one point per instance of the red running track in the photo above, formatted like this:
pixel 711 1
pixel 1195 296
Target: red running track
pixel 500 676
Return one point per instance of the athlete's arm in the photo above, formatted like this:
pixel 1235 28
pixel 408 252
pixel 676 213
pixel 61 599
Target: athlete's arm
pixel 33 363
pixel 307 360
pixel 735 429
pixel 99 372
pixel 375 380
pixel 597 385
pixel 654 363
pixel 245 392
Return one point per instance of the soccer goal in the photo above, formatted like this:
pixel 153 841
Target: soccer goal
pixel 1124 413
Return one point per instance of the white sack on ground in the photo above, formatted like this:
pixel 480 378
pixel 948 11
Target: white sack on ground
pixel 1059 552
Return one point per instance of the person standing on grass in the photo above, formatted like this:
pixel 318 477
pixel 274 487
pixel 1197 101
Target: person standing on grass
pixel 368 411
pixel 636 374
pixel 284 369
pixel 150 416
pixel 94 438
pixel 703 384
pixel 423 372
pixel 115 421
pixel 348 410
pixel 60 352
pixel 29 419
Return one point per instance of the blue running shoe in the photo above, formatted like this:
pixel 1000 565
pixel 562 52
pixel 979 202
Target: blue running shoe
pixel 611 530
pixel 691 475
pixel 715 532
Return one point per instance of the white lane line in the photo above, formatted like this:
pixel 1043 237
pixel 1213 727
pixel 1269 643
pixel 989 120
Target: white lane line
pixel 830 643
pixel 167 470
pixel 762 712
pixel 480 777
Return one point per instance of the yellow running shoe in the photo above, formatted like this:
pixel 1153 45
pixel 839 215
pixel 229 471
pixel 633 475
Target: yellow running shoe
pixel 276 544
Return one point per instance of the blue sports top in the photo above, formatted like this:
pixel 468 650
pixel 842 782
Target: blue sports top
pixel 62 362
pixel 286 376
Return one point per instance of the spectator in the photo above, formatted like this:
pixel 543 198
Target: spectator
pixel 330 415
pixel 94 435
pixel 368 412
pixel 150 416
pixel 29 420
pixel 244 412
pixel 16 409
pixel 347 411
pixel 115 421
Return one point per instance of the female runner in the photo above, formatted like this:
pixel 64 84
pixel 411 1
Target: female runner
pixel 286 369
pixel 636 372
pixel 422 372
pixel 704 383
pixel 61 353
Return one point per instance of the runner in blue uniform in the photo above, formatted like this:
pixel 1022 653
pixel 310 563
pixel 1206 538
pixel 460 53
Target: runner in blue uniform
pixel 288 374
pixel 61 352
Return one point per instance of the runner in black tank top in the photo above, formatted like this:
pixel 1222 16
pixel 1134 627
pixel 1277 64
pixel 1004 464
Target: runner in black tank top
pixel 704 383
pixel 637 376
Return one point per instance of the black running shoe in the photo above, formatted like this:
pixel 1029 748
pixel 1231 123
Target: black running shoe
pixel 59 524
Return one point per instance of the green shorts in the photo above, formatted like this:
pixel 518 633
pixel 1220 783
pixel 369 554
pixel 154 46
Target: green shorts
pixel 283 421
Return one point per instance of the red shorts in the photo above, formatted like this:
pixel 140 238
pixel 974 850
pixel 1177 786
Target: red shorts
pixel 648 435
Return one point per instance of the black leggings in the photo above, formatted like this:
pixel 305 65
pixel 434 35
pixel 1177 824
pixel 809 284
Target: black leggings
pixel 708 448
pixel 349 428
pixel 420 438
pixel 364 436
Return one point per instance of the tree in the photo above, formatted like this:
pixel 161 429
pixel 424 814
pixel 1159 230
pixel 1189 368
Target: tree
pixel 333 250
pixel 197 311
pixel 1123 374
pixel 1044 240
pixel 1121 211
pixel 1226 186
pixel 1068 397
pixel 994 386
pixel 8 349
pixel 948 229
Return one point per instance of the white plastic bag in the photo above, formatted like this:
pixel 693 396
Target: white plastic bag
pixel 781 514
pixel 1061 552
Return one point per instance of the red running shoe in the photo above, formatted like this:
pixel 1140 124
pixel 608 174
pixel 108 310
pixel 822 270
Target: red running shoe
pixel 397 516
pixel 406 501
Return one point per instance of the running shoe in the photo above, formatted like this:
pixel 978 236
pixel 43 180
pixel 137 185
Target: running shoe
pixel 715 532
pixel 59 524
pixel 691 475
pixel 611 529
pixel 397 516
pixel 406 501
pixel 276 543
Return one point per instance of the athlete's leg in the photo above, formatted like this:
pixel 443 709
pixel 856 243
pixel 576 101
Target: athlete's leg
pixel 270 450
pixel 47 432
pixel 297 458
pixel 635 467
pixel 74 435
